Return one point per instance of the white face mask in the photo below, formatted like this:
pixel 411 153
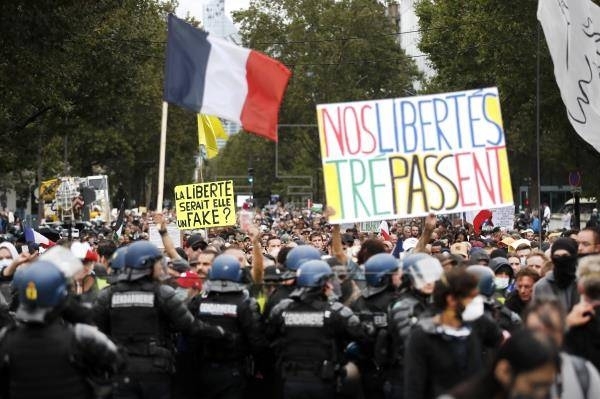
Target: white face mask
pixel 5 262
pixel 501 282
pixel 274 252
pixel 473 310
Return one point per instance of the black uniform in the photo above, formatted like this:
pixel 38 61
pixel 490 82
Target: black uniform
pixel 504 317
pixel 223 365
pixel 54 360
pixel 375 352
pixel 280 293
pixel 405 313
pixel 309 334
pixel 140 316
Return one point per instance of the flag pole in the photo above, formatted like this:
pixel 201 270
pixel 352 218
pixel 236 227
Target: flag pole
pixel 161 160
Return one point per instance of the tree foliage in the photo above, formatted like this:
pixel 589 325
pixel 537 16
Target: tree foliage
pixel 482 43
pixel 338 51
pixel 84 79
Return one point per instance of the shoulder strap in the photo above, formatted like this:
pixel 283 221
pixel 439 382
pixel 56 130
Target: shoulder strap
pixel 582 372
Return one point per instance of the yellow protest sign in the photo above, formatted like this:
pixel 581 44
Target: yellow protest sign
pixel 203 205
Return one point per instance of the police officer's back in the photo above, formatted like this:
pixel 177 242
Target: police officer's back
pixel 420 272
pixel 140 314
pixel 310 331
pixel 372 307
pixel 293 260
pixel 223 364
pixel 43 356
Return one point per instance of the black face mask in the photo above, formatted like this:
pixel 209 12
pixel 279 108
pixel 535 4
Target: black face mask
pixel 564 270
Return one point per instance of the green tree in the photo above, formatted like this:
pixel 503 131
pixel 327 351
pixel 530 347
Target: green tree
pixel 482 43
pixel 338 51
pixel 82 83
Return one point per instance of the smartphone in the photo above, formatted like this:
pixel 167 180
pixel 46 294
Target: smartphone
pixel 25 249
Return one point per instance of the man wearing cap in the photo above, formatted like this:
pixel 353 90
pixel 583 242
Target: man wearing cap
pixel 561 282
pixel 528 234
pixel 194 245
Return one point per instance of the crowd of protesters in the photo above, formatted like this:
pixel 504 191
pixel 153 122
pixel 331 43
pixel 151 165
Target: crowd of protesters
pixel 292 306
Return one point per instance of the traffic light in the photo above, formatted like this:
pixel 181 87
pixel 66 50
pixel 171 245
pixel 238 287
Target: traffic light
pixel 250 175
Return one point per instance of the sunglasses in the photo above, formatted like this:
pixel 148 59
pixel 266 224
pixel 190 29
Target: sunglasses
pixel 202 246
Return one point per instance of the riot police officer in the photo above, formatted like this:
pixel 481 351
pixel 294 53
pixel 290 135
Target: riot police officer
pixel 140 314
pixel 43 356
pixel 383 279
pixel 420 272
pixel 287 280
pixel 116 264
pixel 224 364
pixel 310 331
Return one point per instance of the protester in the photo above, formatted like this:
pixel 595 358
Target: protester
pixel 513 375
pixel 588 241
pixel 578 377
pixel 523 293
pixel 561 281
pixel 583 335
pixel 443 351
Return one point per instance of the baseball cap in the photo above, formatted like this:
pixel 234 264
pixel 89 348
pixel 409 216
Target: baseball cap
pixel 195 241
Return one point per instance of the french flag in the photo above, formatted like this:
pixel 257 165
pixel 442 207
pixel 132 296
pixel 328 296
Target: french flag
pixel 33 236
pixel 384 230
pixel 212 76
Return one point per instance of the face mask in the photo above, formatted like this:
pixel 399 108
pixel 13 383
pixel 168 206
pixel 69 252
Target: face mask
pixel 501 282
pixel 564 270
pixel 5 262
pixel 523 260
pixel 473 310
pixel 274 252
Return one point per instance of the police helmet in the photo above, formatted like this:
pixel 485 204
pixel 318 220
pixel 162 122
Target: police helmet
pixel 313 273
pixel 485 278
pixel 42 287
pixel 422 269
pixel 300 254
pixel 226 268
pixel 139 260
pixel 378 267
pixel 117 260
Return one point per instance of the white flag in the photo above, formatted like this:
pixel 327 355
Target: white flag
pixel 572 30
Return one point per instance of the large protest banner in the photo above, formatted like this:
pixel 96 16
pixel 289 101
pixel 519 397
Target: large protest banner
pixel 406 157
pixel 572 29
pixel 204 205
